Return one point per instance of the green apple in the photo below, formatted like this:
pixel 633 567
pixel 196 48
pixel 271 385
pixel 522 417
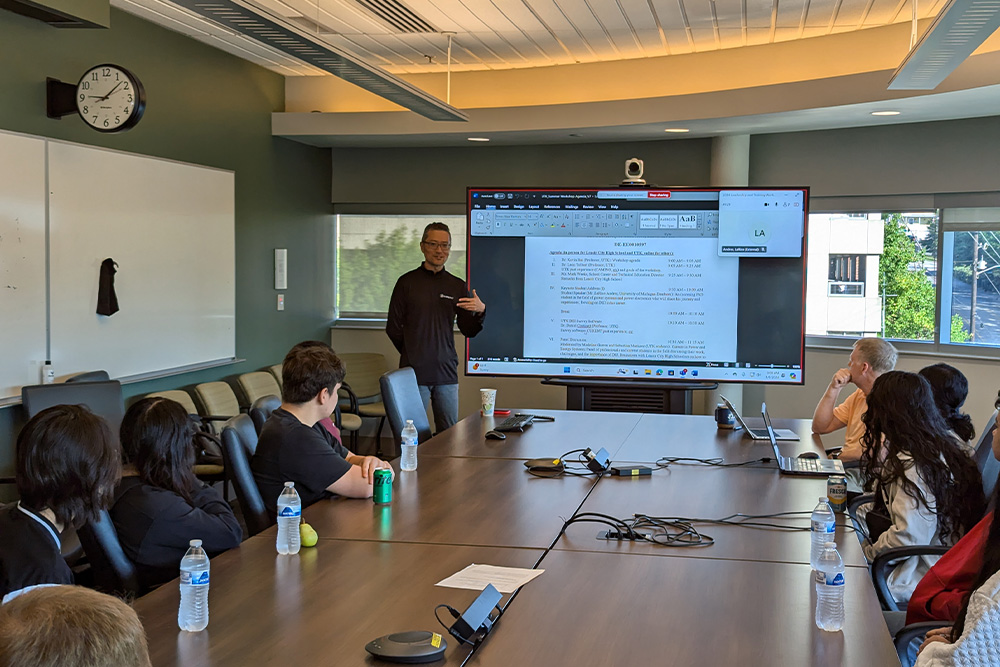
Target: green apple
pixel 307 535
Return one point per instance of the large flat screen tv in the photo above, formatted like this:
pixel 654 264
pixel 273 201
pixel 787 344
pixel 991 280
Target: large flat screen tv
pixel 668 284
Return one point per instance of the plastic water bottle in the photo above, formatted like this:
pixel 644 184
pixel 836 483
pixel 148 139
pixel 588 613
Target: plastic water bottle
pixel 192 615
pixel 408 447
pixel 289 515
pixel 823 523
pixel 830 590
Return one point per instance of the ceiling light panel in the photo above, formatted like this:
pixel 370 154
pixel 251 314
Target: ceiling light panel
pixel 956 32
pixel 278 33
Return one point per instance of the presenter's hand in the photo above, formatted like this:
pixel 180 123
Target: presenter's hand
pixel 471 303
pixel 840 379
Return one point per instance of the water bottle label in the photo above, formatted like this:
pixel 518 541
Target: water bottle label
pixel 289 511
pixel 824 526
pixel 194 578
pixel 835 580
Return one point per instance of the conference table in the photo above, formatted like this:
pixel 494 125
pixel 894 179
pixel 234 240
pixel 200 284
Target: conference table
pixel 746 599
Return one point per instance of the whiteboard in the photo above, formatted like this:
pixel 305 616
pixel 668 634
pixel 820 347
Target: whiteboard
pixel 22 261
pixel 170 228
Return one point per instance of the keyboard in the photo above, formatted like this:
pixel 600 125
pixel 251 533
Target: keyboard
pixel 515 423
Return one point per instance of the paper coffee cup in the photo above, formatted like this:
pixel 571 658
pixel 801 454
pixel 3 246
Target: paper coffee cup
pixel 489 397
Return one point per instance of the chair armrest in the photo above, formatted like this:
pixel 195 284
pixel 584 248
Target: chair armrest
pixel 8 480
pixel 908 633
pixel 884 563
pixel 852 511
pixel 351 397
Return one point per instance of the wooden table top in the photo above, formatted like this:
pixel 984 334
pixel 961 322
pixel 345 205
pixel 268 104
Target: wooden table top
pixel 699 436
pixel 319 607
pixel 613 609
pixel 475 501
pixel 570 430
pixel 712 493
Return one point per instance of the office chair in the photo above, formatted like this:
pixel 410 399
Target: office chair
pixel 102 398
pixel 364 396
pixel 275 370
pixel 402 401
pixel 257 384
pixel 90 376
pixel 262 409
pixel 239 442
pixel 113 572
pixel 217 402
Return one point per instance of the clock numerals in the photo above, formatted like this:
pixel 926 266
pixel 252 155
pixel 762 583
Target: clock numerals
pixel 110 99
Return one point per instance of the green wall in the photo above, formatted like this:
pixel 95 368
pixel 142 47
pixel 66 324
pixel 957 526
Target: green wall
pixel 206 107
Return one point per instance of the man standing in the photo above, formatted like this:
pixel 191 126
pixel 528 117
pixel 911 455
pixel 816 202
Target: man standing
pixel 422 313
pixel 870 358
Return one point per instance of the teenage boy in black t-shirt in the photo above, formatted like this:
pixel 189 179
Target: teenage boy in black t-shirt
pixel 294 447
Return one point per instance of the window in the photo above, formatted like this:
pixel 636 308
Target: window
pixel 885 262
pixel 970 276
pixel 847 275
pixel 374 250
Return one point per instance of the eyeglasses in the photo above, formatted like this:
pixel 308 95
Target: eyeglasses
pixel 434 245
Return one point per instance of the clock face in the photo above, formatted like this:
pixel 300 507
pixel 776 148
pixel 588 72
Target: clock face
pixel 110 98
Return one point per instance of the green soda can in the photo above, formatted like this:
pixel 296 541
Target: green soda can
pixel 382 495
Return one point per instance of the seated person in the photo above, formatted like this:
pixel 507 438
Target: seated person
pixel 975 637
pixel 70 626
pixel 870 358
pixel 294 447
pixel 951 388
pixel 67 463
pixel 927 490
pixel 942 593
pixel 160 506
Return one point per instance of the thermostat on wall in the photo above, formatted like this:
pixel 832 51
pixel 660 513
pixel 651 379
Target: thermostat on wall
pixel 280 268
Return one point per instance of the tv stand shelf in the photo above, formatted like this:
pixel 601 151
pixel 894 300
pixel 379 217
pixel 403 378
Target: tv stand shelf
pixel 604 395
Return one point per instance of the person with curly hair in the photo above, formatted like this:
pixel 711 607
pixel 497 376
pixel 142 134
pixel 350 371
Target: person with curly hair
pixel 927 489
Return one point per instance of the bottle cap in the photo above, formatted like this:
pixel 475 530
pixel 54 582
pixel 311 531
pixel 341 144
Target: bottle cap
pixel 289 485
pixel 821 498
pixel 195 543
pixel 409 421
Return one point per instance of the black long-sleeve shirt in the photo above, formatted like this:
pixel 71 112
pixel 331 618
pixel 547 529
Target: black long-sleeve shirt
pixel 155 525
pixel 422 315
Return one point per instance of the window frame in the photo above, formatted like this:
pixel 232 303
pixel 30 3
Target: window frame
pixel 945 248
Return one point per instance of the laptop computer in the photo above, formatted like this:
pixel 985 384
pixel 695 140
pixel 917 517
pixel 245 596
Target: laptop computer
pixel 796 466
pixel 760 433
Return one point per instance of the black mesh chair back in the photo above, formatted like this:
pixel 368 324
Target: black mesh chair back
pixel 239 442
pixel 113 572
pixel 402 401
pixel 103 398
pixel 261 409
pixel 90 376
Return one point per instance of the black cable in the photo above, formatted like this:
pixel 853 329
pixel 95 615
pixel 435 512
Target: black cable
pixel 666 461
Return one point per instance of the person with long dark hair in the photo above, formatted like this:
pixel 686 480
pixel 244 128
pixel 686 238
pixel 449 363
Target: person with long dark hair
pixel 951 388
pixel 974 639
pixel 67 463
pixel 927 489
pixel 160 506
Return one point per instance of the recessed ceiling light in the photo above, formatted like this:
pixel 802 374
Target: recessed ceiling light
pixel 478 138
pixel 678 130
pixel 886 113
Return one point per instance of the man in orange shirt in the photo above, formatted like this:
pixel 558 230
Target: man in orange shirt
pixel 870 358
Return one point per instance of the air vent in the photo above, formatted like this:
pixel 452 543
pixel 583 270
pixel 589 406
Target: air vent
pixel 279 33
pixel 629 399
pixel 64 13
pixel 398 15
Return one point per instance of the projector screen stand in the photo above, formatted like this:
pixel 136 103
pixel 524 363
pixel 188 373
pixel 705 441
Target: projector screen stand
pixel 602 395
